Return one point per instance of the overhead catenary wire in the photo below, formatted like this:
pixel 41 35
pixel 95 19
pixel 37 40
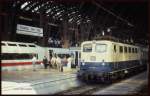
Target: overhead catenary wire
pixel 118 17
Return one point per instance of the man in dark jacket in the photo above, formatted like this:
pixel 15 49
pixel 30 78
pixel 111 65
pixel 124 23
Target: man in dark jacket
pixel 45 61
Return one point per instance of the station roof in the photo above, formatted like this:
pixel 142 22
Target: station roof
pixel 127 15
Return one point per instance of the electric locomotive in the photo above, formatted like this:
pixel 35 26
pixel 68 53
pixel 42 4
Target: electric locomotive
pixel 105 60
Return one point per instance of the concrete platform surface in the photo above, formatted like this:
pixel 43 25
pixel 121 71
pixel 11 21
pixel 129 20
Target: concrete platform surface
pixel 40 81
pixel 126 87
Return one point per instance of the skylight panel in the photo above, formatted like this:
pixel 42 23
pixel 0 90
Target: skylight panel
pixel 70 20
pixel 23 5
pixel 27 8
pixel 48 10
pixel 36 8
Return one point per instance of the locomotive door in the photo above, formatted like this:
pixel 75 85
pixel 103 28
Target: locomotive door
pixel 76 58
pixel 114 56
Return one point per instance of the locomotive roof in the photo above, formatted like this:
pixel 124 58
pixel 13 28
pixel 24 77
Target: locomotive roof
pixel 130 44
pixel 114 39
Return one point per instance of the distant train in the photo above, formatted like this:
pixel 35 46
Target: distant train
pixel 18 55
pixel 105 60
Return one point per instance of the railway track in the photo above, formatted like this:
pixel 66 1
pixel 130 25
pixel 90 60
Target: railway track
pixel 85 89
pixel 88 89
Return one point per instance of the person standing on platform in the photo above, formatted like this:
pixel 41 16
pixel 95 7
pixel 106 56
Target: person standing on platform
pixel 69 62
pixel 64 61
pixel 50 65
pixel 34 62
pixel 58 63
pixel 45 61
pixel 53 61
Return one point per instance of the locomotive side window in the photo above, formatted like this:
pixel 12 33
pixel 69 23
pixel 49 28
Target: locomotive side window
pixel 100 48
pixel 129 49
pixel 132 50
pixel 125 49
pixel 115 48
pixel 136 50
pixel 87 48
pixel 121 49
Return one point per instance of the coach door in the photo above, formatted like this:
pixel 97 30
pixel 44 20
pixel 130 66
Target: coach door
pixel 50 54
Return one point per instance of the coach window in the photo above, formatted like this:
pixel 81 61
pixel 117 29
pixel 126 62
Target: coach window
pixel 129 49
pixel 87 48
pixel 3 44
pixel 24 56
pixel 121 49
pixel 31 45
pixel 125 49
pixel 15 56
pixel 100 48
pixel 12 44
pixel 22 45
pixel 8 56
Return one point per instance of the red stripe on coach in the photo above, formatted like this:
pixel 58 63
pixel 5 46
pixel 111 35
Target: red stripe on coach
pixel 19 63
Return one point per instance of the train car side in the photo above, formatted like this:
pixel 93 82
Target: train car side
pixel 107 59
pixel 18 55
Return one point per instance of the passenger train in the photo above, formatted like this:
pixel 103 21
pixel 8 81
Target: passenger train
pixel 106 60
pixel 18 55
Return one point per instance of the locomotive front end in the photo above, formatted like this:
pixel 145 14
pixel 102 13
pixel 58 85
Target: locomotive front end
pixel 94 64
pixel 93 70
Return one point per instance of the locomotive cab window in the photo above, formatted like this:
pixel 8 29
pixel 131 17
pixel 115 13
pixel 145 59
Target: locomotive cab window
pixel 100 48
pixel 87 48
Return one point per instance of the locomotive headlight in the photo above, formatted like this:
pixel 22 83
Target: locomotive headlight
pixel 83 63
pixel 103 63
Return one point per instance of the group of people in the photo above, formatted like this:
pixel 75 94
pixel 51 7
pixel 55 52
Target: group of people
pixel 54 42
pixel 55 62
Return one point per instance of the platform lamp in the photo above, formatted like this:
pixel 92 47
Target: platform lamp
pixel 103 33
pixel 108 30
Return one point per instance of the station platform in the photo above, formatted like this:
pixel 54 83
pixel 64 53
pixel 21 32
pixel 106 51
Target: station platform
pixel 41 81
pixel 130 86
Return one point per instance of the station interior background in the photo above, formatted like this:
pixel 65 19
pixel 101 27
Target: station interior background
pixel 67 23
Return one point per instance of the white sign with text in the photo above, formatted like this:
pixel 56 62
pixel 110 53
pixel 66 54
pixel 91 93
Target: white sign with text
pixel 28 30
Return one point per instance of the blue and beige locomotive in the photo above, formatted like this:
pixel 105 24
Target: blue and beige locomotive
pixel 106 60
